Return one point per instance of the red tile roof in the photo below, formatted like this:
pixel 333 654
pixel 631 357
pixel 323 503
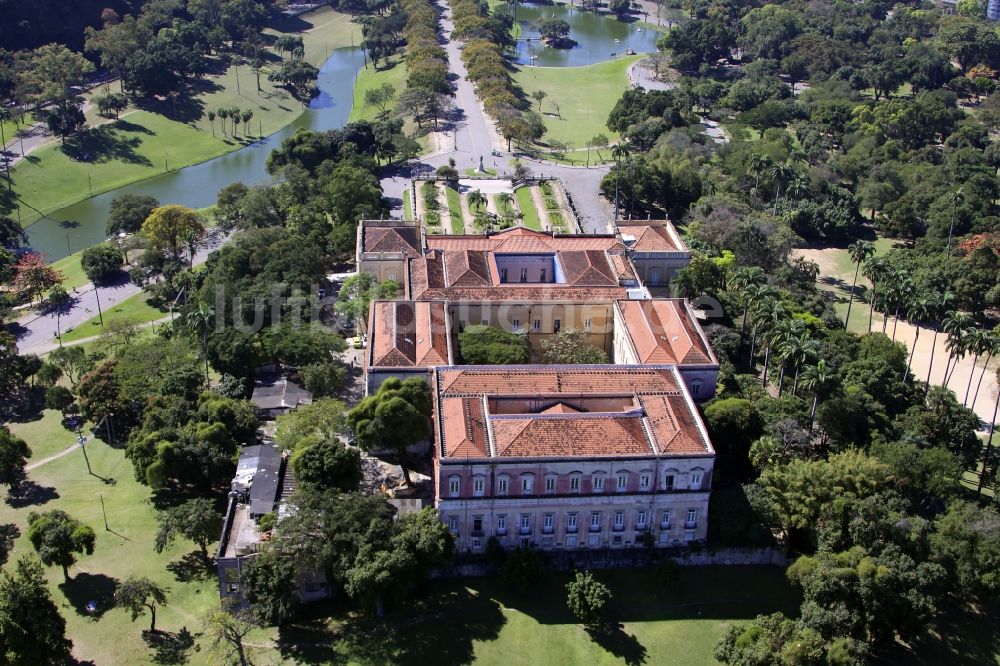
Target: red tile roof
pixel 615 411
pixel 664 331
pixel 407 334
pixel 391 239
pixel 652 235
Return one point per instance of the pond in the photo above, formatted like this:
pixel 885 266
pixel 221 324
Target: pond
pixel 82 224
pixel 598 37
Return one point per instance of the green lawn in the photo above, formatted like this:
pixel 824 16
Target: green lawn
pixel 369 79
pixel 527 204
pixel 10 129
pixel 126 549
pixel 407 205
pixel 581 116
pixel 455 210
pixel 145 143
pixel 46 435
pixel 73 275
pixel 134 308
pixel 480 620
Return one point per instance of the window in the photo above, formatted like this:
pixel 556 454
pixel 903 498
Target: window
pixel 503 274
pixel 478 484
pixel 665 521
pixel 477 523
pixel 453 524
pixel 622 482
pixel 525 521
pixel 595 520
pixel 668 482
pixel 517 324
pixel 454 485
pixel 556 325
pixel 644 481
pixel 392 277
pixel 640 519
pixel 537 325
pixel 526 483
pixel 696 479
pixel 696 389
pixel 619 520
pixel 524 275
pixel 571 521
pixel 477 544
pixel 547 522
pixel 587 325
pixel 502 524
pixel 570 540
pixel 550 484
pixel 541 277
pixel 502 485
pixel 598 483
pixel 692 517
pixel 574 483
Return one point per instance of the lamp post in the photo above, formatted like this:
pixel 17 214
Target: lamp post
pixel 81 440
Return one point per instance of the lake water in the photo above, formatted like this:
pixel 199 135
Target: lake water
pixel 597 37
pixel 82 224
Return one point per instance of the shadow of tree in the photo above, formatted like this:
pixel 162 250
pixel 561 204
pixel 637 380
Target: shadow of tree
pixel 86 588
pixel 169 648
pixel 191 567
pixel 106 143
pixel 29 493
pixel 439 628
pixel 615 640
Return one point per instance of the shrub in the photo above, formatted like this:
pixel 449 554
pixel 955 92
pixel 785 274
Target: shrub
pixel 550 203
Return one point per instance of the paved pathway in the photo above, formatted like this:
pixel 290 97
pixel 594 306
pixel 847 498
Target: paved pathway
pixel 44 461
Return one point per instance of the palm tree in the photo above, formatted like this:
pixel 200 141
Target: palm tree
pixel 759 314
pixel 860 252
pixel 939 305
pixel 900 294
pixel 918 310
pixel 798 350
pixel 993 344
pixel 989 441
pixel 477 200
pixel 874 269
pixel 758 165
pixel 784 331
pixel 955 325
pixel 505 200
pixel 978 342
pixel 223 114
pixel 619 152
pixel 798 188
pixel 817 377
pixel 200 322
pixel 211 119
pixel 956 345
pixel 781 173
pixel 747 282
pixel 956 198
pixel 246 116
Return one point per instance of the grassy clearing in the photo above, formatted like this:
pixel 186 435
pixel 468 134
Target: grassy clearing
pixel 481 621
pixel 455 210
pixel 46 435
pixel 579 116
pixel 370 78
pixel 109 636
pixel 407 205
pixel 527 204
pixel 73 275
pixel 136 309
pixel 147 142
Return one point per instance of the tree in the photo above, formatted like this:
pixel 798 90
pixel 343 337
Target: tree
pixel 211 120
pixel 323 379
pixel 395 417
pixel 195 520
pixel 571 347
pixel 14 454
pixel 271 587
pixel 200 322
pixel 818 378
pixel 50 73
pixel 357 293
pixel 138 595
pixel 538 96
pixel 380 97
pixel 226 631
pixel 32 632
pixel 171 226
pixel 326 463
pixel 111 102
pixel 554 32
pixel 522 569
pixel 323 419
pixel 57 537
pixel 297 76
pixel 58 397
pixel 128 212
pixel 860 252
pixel 71 360
pixel 620 7
pixel 480 344
pixel 477 200
pixel 101 262
pixel 771 639
pixel 32 277
pixel 588 599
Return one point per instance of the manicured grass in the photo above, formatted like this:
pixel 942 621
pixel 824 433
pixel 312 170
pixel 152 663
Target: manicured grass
pixel 145 143
pixel 370 78
pixel 73 275
pixel 473 172
pixel 125 549
pixel 455 210
pixel 407 205
pixel 480 620
pixel 45 435
pixel 10 130
pixel 581 116
pixel 134 308
pixel 527 204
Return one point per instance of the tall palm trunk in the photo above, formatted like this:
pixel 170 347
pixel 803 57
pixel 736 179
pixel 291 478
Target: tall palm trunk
pixel 767 361
pixel 795 381
pixel 909 361
pixel 895 314
pixel 972 373
pixel 871 310
pixel 975 396
pixel 850 298
pixel 930 365
pixel 812 414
